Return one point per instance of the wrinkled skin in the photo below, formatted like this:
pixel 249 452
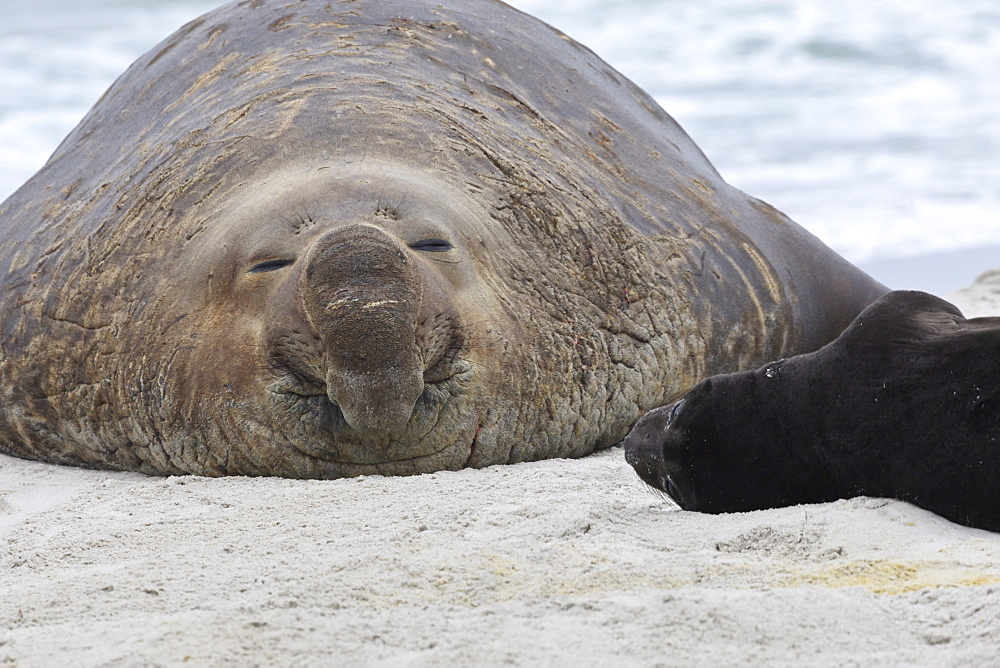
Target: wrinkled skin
pixel 904 404
pixel 318 239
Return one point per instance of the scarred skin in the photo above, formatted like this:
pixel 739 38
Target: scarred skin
pixel 316 239
pixel 904 404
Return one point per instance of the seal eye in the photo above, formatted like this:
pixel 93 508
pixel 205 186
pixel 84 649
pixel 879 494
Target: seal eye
pixel 674 411
pixel 674 492
pixel 432 245
pixel 269 265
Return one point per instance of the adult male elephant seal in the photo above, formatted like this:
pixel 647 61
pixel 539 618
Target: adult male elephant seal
pixel 904 404
pixel 382 236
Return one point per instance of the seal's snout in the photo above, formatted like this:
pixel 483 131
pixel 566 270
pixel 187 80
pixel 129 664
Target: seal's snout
pixel 361 292
pixel 645 452
pixel 643 445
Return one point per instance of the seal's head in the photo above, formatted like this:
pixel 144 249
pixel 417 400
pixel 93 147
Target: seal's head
pixel 903 404
pixel 712 450
pixel 353 298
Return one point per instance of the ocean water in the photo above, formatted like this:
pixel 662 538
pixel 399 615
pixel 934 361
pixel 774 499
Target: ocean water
pixel 873 123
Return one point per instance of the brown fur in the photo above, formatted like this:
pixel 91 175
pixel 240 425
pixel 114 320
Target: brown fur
pixel 599 264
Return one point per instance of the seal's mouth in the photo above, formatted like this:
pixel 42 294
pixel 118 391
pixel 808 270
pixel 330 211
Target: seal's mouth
pixel 685 501
pixel 306 395
pixel 655 475
pixel 373 395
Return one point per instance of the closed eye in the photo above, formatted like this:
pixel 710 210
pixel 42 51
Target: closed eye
pixel 269 265
pixel 432 245
pixel 674 411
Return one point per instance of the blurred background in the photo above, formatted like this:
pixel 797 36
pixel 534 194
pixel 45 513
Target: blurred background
pixel 875 124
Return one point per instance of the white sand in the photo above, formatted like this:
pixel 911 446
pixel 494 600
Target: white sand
pixel 982 298
pixel 555 563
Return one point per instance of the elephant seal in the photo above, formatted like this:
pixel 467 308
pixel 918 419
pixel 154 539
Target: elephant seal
pixel 316 239
pixel 904 404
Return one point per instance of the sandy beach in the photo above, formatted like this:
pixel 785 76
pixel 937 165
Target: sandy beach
pixel 873 124
pixel 550 563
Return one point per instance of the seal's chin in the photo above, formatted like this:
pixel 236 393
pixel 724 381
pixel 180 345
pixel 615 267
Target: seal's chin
pixel 318 426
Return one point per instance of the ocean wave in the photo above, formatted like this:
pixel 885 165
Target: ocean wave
pixel 872 123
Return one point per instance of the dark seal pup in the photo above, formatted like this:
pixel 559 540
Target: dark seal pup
pixel 319 239
pixel 904 404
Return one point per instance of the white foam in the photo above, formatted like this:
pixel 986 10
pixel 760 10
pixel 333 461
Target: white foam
pixel 873 123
